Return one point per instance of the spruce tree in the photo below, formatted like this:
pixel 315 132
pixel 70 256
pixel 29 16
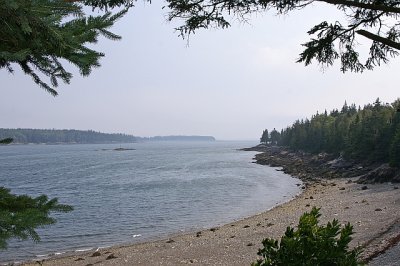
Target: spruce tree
pixel 395 150
pixel 275 137
pixel 39 35
pixel 376 21
pixel 264 137
pixel 21 215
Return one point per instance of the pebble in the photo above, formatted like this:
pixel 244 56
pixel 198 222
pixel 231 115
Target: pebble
pixel 96 254
pixel 111 256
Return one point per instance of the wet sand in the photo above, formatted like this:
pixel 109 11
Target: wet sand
pixel 373 211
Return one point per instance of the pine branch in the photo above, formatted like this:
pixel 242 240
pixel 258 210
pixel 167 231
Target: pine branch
pixel 376 7
pixel 379 39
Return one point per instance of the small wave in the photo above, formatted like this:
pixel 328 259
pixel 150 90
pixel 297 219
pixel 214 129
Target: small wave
pixel 40 256
pixel 49 255
pixel 17 262
pixel 58 253
pixel 83 249
pixel 139 235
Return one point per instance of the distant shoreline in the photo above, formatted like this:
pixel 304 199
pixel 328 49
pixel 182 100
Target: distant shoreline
pixel 72 136
pixel 373 210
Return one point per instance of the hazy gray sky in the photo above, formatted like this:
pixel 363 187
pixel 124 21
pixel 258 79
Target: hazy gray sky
pixel 229 83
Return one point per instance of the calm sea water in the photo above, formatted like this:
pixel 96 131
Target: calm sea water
pixel 137 195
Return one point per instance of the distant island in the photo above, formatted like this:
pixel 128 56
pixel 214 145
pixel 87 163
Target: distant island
pixel 71 136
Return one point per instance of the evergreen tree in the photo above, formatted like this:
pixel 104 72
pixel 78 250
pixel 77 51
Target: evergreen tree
pixel 264 137
pixel 38 35
pixel 375 20
pixel 275 137
pixel 395 150
pixel 21 215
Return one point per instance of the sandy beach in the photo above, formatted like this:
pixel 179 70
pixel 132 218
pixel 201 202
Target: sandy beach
pixel 373 210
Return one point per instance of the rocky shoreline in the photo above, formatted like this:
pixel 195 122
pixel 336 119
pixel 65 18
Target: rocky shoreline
pixel 308 167
pixel 311 169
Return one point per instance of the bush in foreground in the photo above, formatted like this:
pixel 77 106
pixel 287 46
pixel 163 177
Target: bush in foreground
pixel 311 244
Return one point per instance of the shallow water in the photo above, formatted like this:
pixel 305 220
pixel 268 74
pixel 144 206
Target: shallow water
pixel 129 196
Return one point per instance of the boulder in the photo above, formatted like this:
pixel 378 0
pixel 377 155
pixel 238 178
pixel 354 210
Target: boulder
pixel 381 174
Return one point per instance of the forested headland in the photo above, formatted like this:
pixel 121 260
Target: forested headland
pixel 370 134
pixel 362 143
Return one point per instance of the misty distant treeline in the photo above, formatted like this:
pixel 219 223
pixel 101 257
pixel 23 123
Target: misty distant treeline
pixel 54 136
pixel 370 134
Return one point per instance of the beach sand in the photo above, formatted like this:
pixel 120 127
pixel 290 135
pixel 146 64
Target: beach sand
pixel 373 211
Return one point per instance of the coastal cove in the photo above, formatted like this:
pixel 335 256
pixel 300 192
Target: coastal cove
pixel 374 211
pixel 149 191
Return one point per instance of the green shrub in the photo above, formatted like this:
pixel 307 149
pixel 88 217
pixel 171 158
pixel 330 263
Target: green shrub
pixel 311 244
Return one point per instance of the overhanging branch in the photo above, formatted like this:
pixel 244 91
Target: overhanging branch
pixel 378 38
pixel 384 8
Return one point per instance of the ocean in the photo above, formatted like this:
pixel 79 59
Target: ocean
pixel 131 196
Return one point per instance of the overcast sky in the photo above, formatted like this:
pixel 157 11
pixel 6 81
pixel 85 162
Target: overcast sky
pixel 230 83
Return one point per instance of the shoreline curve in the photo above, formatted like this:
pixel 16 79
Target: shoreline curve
pixel 374 212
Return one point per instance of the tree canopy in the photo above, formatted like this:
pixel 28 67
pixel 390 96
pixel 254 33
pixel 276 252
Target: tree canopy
pixel 41 35
pixel 38 35
pixel 375 20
